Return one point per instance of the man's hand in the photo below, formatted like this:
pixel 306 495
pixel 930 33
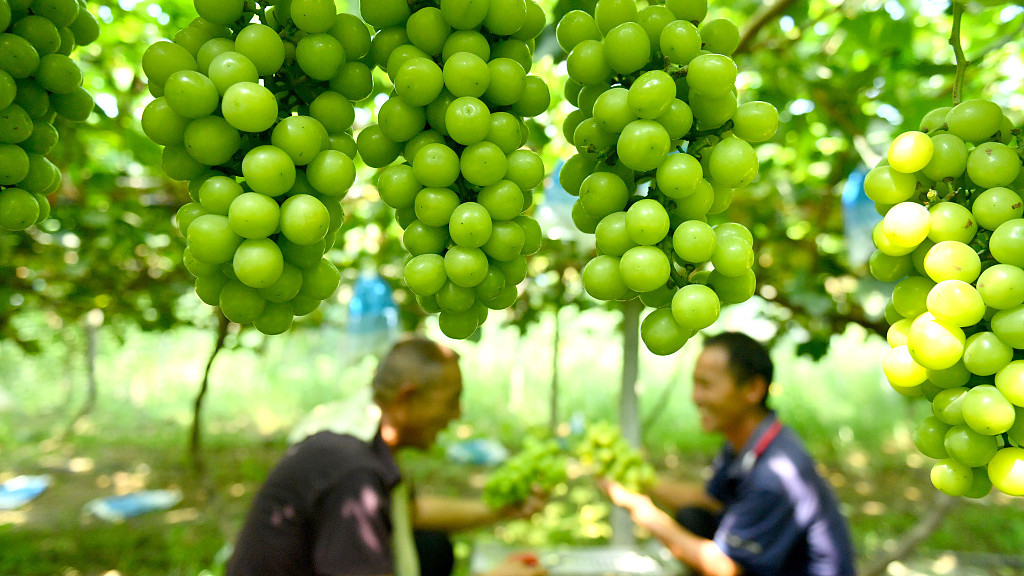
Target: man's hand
pixel 640 507
pixel 534 503
pixel 699 553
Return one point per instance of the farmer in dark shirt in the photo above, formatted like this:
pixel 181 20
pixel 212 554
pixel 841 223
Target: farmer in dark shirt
pixel 765 511
pixel 336 503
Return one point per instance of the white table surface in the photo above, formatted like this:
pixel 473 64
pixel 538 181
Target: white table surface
pixel 646 559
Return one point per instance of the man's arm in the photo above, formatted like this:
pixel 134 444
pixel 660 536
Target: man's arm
pixel 698 553
pixel 456 514
pixel 675 494
pixel 452 514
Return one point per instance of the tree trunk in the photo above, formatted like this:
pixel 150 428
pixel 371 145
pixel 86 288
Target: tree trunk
pixel 195 445
pixel 660 406
pixel 555 353
pixel 90 326
pixel 68 378
pixel 629 414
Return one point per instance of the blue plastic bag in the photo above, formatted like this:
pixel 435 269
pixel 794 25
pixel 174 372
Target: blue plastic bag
pixel 120 508
pixel 21 490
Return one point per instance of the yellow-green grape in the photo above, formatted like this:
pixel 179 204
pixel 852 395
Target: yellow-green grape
pixel 951 239
pixel 39 80
pixel 456 123
pixel 271 159
pixel 607 453
pixel 638 121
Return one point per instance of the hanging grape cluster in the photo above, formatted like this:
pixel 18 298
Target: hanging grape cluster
pixel 541 465
pixel 38 82
pixel 662 144
pixel 462 88
pixel 606 453
pixel 253 106
pixel 952 238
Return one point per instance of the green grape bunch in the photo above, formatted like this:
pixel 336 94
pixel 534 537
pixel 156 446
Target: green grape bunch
pixel 253 107
pixel 662 146
pixel 449 141
pixel 540 465
pixel 39 81
pixel 952 240
pixel 606 453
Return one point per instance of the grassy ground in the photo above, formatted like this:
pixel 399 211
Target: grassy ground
pixel 136 438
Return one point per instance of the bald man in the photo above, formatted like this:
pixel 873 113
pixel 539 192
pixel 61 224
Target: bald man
pixel 333 505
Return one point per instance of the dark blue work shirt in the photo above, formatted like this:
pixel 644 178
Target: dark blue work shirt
pixel 780 517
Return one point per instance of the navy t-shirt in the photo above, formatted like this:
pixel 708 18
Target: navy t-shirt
pixel 324 509
pixel 780 516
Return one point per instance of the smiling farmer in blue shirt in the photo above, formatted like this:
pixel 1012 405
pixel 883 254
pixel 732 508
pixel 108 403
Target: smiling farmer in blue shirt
pixel 765 511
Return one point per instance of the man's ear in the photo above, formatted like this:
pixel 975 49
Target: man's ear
pixel 400 404
pixel 406 390
pixel 755 389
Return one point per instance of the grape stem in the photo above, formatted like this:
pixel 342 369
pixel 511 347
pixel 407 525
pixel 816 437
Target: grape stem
pixel 712 131
pixel 464 192
pixel 261 11
pixel 677 71
pixel 951 192
pixel 415 5
pixel 704 139
pixel 677 279
pixel 958 53
pixel 626 80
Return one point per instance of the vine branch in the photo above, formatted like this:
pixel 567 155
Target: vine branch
pixel 906 545
pixel 195 438
pixel 767 13
pixel 958 52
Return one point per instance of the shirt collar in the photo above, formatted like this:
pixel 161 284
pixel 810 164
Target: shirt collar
pixel 735 459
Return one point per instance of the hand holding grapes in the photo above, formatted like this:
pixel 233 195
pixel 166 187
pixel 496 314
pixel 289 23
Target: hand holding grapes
pixel 532 504
pixel 607 454
pixel 641 508
pixel 520 484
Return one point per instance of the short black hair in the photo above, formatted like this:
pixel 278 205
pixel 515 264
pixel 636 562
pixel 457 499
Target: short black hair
pixel 748 358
